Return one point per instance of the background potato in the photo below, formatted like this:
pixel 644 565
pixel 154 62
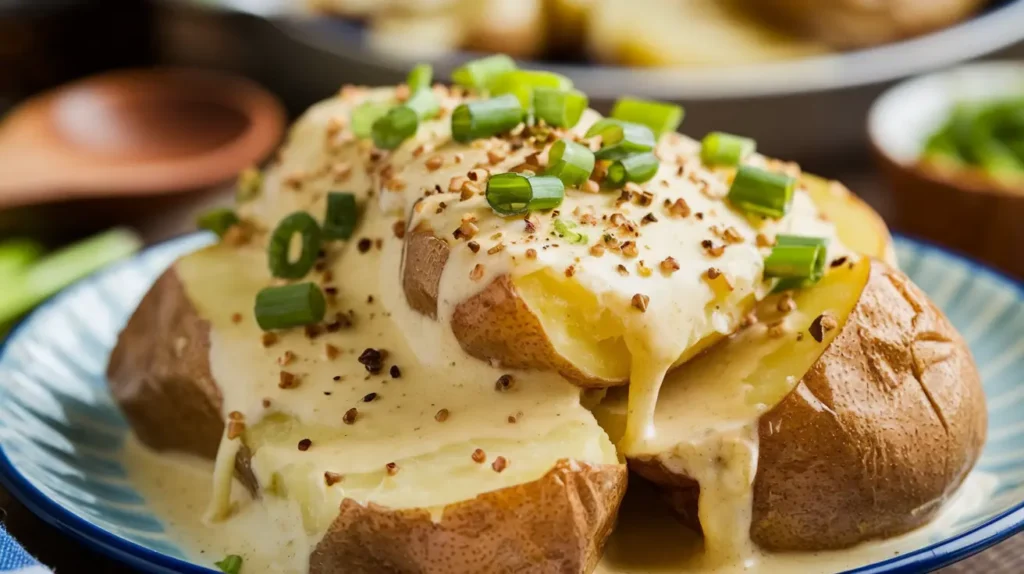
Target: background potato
pixel 863 23
pixel 878 432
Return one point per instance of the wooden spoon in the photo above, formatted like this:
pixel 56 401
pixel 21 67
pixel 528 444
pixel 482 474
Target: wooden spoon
pixel 136 132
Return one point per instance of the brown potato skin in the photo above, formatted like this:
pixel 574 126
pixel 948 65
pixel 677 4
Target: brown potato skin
pixel 848 24
pixel 159 373
pixel 493 325
pixel 876 435
pixel 558 523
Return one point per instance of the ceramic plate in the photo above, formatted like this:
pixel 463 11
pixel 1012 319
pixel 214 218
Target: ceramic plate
pixel 60 432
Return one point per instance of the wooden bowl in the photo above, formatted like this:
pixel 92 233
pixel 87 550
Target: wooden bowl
pixel 963 210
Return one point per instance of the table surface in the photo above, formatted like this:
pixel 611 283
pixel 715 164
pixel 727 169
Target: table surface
pixel 59 552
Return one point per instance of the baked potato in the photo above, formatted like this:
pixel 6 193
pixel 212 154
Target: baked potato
pixel 847 24
pixel 430 416
pixel 852 417
pixel 396 463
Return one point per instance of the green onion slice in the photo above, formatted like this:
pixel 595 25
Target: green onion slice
pixel 486 118
pixel 523 83
pixel 570 162
pixel 394 128
pixel 289 306
pixel 760 191
pixel 340 220
pixel 231 564
pixel 559 108
pixel 718 148
pixel 565 230
pixel 658 116
pixel 217 220
pixel 479 74
pixel 799 261
pixel 420 77
pixel 424 102
pixel 278 252
pixel 636 168
pixel 620 139
pixel 365 115
pixel 16 255
pixel 515 194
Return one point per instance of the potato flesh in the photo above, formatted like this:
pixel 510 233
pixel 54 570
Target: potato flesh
pixel 428 481
pixel 744 376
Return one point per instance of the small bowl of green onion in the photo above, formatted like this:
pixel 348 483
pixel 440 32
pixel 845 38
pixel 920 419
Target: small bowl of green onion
pixel 951 145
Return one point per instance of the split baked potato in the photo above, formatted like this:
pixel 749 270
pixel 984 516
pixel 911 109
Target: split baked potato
pixel 433 419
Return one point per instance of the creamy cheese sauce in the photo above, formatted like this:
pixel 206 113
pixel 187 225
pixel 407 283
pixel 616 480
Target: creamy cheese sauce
pixel 405 434
pixel 647 539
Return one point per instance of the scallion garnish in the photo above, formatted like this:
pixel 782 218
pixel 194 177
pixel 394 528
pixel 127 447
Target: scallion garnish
pixel 564 230
pixel 760 191
pixel 424 103
pixel 289 306
pixel 398 125
pixel 559 108
pixel 420 77
pixel 340 220
pixel 217 220
pixel 620 139
pixel 719 148
pixel 514 194
pixel 522 84
pixel 570 162
pixel 231 564
pixel 636 168
pixel 658 116
pixel 278 252
pixel 478 74
pixel 365 115
pixel 486 118
pixel 797 260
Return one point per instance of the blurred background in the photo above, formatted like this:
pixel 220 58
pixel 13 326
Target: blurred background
pixel 138 114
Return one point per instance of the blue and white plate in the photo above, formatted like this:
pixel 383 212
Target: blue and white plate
pixel 60 431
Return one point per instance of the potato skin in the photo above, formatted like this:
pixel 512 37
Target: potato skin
pixel 493 325
pixel 848 24
pixel 558 524
pixel 159 373
pixel 876 435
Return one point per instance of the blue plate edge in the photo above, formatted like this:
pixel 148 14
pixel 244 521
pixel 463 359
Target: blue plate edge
pixel 924 559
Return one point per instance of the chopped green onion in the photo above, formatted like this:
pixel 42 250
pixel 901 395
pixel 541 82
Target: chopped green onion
pixel 16 255
pixel 565 231
pixel 398 125
pixel 340 220
pixel 250 183
pixel 479 74
pixel 570 162
pixel 559 108
pixel 760 191
pixel 636 168
pixel 53 272
pixel 365 115
pixel 217 220
pixel 486 118
pixel 658 116
pixel 719 148
pixel 424 103
pixel 798 261
pixel 289 306
pixel 620 139
pixel 420 77
pixel 522 84
pixel 278 252
pixel 514 194
pixel 230 565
